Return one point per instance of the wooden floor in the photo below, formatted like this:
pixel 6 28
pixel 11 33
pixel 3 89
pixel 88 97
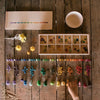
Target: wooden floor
pixel 90 11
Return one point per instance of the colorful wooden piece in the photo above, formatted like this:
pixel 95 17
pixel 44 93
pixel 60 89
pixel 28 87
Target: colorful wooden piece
pixel 70 70
pixel 7 82
pixel 88 68
pixel 16 70
pixel 52 83
pixel 43 72
pixel 79 84
pixel 86 60
pixel 22 38
pixel 38 83
pixel 60 70
pixel 32 71
pixel 25 82
pixel 8 68
pixel 30 83
pixel 45 83
pixel 58 84
pixel 24 70
pixel 14 82
pixel 79 69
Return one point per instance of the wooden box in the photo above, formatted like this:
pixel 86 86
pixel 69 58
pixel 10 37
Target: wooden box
pixel 28 20
pixel 64 44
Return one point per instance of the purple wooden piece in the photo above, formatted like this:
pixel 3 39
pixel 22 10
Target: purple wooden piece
pixel 88 69
pixel 8 68
pixel 7 82
pixel 14 82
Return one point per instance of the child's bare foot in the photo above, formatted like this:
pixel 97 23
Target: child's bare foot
pixel 73 90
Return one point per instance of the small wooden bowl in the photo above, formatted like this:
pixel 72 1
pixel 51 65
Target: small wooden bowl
pixel 74 19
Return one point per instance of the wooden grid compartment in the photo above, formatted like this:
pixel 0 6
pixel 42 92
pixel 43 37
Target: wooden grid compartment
pixel 64 44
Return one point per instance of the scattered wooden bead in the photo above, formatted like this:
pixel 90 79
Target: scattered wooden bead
pixel 28 53
pixel 18 48
pixel 32 48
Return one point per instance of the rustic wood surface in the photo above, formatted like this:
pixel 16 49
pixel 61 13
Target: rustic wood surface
pixel 90 11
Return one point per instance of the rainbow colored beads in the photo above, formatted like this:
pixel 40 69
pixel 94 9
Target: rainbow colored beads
pixel 86 60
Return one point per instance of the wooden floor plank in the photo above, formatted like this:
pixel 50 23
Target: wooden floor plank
pixel 95 17
pixel 35 5
pixel 10 54
pixel 58 7
pixel 23 5
pixel 35 89
pixel 26 95
pixel 2 61
pixel 60 16
pixel 86 15
pixel 74 75
pixel 61 90
pixel 86 29
pixel 60 29
pixel 49 5
pixel 73 5
pixel 10 5
pixel 47 92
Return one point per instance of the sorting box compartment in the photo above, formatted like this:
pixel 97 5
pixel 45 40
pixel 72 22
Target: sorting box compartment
pixel 64 44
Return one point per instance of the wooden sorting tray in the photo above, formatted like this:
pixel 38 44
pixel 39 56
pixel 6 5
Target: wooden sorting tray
pixel 64 44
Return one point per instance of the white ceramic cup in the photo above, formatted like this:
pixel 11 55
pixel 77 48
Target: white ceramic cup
pixel 74 19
